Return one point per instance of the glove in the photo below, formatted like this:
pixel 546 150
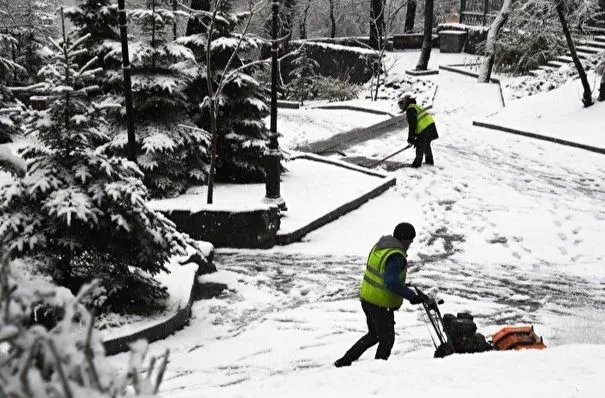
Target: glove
pixel 419 298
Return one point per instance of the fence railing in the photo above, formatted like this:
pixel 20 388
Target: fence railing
pixel 479 12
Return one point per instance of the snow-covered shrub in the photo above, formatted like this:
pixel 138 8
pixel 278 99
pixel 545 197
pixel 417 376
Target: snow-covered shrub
pixel 64 358
pixel 392 87
pixel 80 212
pixel 332 89
pixel 241 101
pixel 518 52
pixel 172 154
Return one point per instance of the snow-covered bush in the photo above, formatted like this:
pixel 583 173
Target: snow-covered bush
pixel 332 89
pixel 80 212
pixel 172 155
pixel 64 358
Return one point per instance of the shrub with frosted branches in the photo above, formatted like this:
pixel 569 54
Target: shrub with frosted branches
pixel 63 358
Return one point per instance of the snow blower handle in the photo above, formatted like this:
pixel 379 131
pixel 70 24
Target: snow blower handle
pixel 424 297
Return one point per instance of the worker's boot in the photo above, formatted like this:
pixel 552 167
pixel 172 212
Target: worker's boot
pixel 339 363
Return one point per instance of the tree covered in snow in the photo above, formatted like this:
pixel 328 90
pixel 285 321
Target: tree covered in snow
pixel 79 212
pixel 172 153
pixel 304 69
pixel 99 20
pixel 232 102
pixel 59 356
pixel 9 106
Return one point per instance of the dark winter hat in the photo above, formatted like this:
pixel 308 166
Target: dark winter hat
pixel 404 231
pixel 405 101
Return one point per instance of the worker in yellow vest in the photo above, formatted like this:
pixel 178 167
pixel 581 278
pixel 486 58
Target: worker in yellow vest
pixel 382 292
pixel 422 129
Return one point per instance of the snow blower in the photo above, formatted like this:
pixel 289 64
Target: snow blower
pixel 458 334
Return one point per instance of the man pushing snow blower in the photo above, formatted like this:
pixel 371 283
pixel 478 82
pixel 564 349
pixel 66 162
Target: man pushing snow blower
pixel 382 292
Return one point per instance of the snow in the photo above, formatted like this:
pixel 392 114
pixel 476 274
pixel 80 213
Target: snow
pixel 559 114
pixel 509 228
pixel 308 125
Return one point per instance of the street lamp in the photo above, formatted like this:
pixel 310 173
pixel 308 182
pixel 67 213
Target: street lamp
pixel 273 154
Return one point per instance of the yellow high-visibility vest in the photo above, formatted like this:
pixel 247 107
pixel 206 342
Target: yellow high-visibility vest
pixel 423 118
pixel 373 289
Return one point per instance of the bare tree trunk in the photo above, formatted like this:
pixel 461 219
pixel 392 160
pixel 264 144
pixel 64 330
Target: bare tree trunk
pixel 332 19
pixel 490 45
pixel 302 24
pixel 587 96
pixel 376 23
pixel 425 53
pixel 602 88
pixel 410 17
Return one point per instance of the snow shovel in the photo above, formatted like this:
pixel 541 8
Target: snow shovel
pixel 388 157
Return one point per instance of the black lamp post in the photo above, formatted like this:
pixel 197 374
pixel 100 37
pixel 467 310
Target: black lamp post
pixel 273 155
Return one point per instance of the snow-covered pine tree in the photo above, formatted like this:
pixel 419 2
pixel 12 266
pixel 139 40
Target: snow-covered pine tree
pixel 9 106
pixel 242 134
pixel 64 358
pixel 304 69
pixel 80 213
pixel 99 19
pixel 172 155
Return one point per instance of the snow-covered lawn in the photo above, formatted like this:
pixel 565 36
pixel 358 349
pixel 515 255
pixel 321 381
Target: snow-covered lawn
pixel 509 228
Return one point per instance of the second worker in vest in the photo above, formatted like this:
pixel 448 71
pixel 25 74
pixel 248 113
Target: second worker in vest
pixel 422 129
pixel 382 292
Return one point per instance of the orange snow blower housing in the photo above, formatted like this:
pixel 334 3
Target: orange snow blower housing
pixel 517 338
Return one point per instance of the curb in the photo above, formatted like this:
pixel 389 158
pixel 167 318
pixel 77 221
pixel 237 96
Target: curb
pixel 539 136
pixel 295 236
pixel 158 331
pixel 454 69
pixel 354 108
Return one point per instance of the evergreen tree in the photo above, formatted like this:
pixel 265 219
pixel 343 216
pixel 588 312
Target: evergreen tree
pixel 305 68
pixel 242 134
pixel 9 127
pixel 79 212
pixel 172 155
pixel 99 20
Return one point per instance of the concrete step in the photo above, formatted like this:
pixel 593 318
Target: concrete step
pixel 593 43
pixel 600 38
pixel 588 50
pixel 548 68
pixel 556 64
pixel 536 72
pixel 564 58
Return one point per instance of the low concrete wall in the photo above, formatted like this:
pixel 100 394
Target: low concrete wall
pixel 411 41
pixel 224 228
pixel 451 41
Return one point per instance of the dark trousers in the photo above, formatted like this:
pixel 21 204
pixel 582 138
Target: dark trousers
pixel 423 149
pixel 381 330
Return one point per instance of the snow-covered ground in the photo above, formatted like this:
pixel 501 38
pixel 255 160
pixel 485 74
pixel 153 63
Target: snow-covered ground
pixel 509 228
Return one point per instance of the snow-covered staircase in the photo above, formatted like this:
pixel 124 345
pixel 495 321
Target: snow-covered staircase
pixel 584 48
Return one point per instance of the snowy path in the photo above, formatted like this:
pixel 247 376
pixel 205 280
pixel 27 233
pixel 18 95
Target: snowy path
pixel 508 227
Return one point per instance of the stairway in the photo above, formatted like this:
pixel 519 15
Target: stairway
pixel 585 48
